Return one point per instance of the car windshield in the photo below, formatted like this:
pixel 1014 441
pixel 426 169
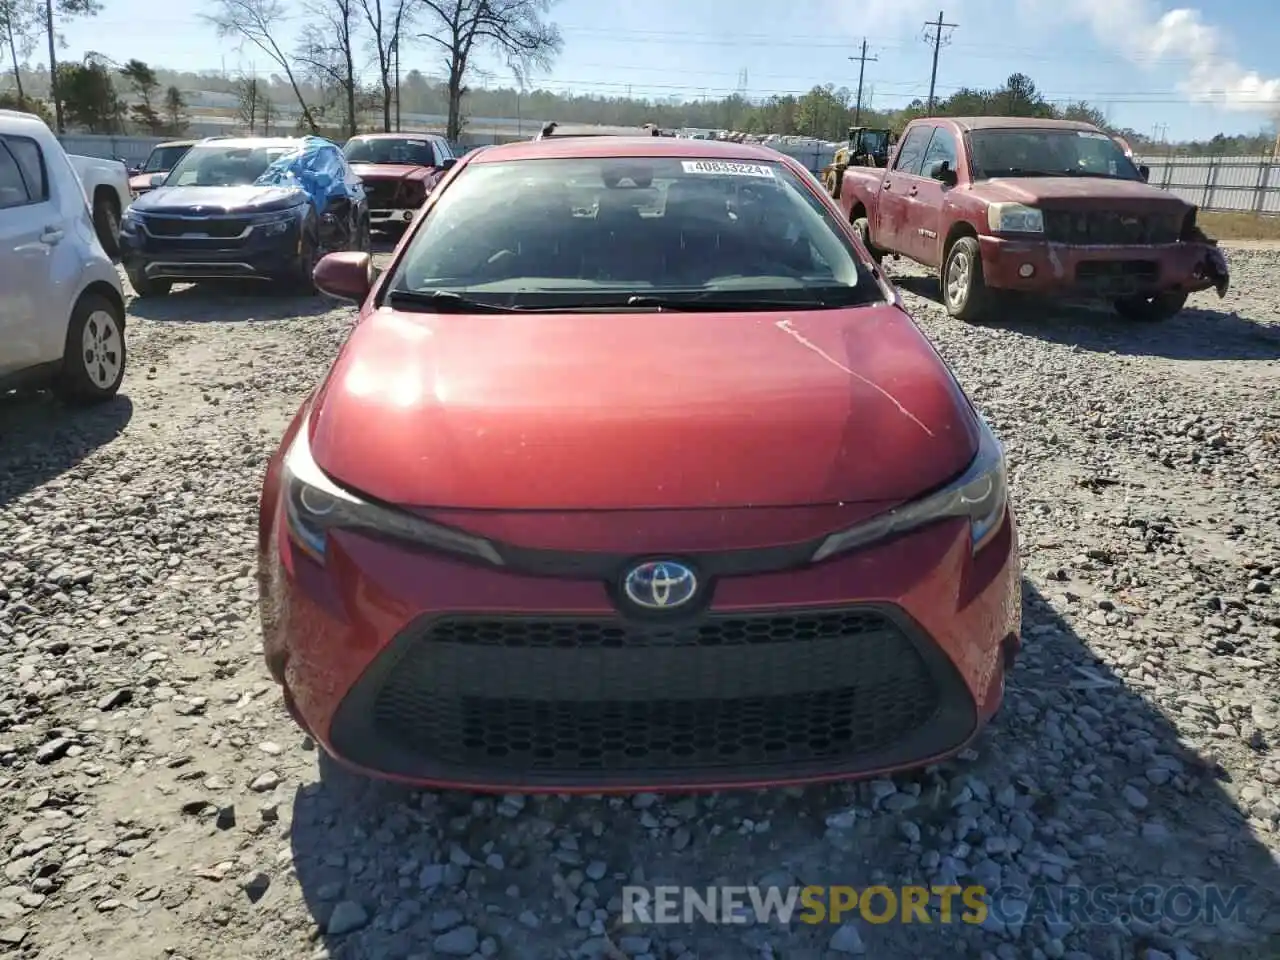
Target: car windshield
pixel 641 232
pixel 390 150
pixel 1049 153
pixel 224 166
pixel 163 158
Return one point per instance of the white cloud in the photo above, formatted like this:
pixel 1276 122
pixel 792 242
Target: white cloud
pixel 1191 47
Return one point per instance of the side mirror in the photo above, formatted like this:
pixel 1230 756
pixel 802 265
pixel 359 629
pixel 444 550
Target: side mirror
pixel 449 163
pixel 1144 172
pixel 942 172
pixel 345 276
pixel 157 180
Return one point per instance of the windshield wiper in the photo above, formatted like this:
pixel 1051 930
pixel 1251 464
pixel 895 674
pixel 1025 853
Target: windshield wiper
pixel 446 301
pixel 701 303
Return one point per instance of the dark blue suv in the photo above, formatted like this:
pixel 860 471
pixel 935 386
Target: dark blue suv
pixel 251 208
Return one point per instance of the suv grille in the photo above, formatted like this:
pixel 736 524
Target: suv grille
pixel 221 228
pixel 559 697
pixel 1110 227
pixel 381 193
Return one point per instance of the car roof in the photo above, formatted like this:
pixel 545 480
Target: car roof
pixel 560 148
pixel 398 135
pixel 24 121
pixel 179 143
pixel 242 143
pixel 1016 123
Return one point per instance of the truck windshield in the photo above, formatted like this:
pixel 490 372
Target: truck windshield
pixel 1048 153
pixel 164 158
pixel 411 152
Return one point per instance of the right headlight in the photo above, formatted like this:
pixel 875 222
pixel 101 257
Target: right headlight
pixel 980 495
pixel 1014 218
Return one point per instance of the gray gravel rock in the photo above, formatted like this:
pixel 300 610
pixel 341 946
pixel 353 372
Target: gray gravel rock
pixel 150 778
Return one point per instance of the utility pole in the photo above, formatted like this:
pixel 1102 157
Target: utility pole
pixel 937 44
pixel 862 64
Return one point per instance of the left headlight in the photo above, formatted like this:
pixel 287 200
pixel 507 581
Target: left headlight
pixel 130 222
pixel 315 505
pixel 980 495
pixel 276 225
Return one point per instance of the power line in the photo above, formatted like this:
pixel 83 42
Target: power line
pixel 937 44
pixel 862 65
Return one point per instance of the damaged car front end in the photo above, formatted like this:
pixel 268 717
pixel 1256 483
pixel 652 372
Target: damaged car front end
pixel 254 209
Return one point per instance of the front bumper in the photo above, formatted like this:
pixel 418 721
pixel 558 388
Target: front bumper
pixel 257 256
pixel 392 218
pixel 428 670
pixel 1058 269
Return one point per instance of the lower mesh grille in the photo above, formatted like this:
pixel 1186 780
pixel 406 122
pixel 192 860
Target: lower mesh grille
pixel 584 699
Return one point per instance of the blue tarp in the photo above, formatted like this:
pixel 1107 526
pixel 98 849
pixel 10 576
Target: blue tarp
pixel 309 169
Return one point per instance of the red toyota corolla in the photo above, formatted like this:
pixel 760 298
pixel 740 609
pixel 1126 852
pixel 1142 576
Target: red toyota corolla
pixel 635 474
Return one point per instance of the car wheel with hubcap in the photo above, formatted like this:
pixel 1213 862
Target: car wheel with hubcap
pixel 1154 309
pixel 94 358
pixel 964 291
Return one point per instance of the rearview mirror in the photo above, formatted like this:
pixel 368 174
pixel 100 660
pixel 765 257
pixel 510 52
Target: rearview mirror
pixel 157 179
pixel 1144 172
pixel 448 163
pixel 345 276
pixel 942 172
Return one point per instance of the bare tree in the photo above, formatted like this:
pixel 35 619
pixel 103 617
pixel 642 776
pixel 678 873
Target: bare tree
pixel 249 101
pixel 251 21
pixel 514 29
pixel 19 27
pixel 387 19
pixel 327 49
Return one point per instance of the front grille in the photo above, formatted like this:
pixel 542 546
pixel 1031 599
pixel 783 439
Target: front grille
pixel 221 228
pixel 589 700
pixel 381 193
pixel 1110 227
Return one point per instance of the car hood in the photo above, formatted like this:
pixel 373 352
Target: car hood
pixel 1078 191
pixel 640 411
pixel 391 171
pixel 219 199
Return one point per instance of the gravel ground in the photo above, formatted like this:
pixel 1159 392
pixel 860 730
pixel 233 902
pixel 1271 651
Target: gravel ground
pixel 159 804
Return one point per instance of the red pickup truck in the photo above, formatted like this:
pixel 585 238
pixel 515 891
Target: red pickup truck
pixel 398 170
pixel 1050 207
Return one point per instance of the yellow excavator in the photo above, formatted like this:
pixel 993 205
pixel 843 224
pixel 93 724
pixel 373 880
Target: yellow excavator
pixel 867 147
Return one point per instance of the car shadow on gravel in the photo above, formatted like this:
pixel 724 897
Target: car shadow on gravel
pixel 1082 784
pixel 1195 334
pixel 42 438
pixel 229 303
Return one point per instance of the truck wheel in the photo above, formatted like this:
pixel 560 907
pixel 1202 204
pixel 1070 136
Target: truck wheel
pixel 145 287
pixel 964 291
pixel 862 227
pixel 94 356
pixel 1161 307
pixel 106 223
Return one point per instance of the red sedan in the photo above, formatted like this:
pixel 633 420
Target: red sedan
pixel 635 474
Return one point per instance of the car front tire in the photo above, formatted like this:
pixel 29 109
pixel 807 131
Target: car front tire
pixel 862 227
pixel 144 287
pixel 93 360
pixel 964 291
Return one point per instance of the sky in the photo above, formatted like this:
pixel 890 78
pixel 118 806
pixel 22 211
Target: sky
pixel 1166 71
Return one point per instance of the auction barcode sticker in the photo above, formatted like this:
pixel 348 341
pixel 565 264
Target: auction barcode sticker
pixel 727 169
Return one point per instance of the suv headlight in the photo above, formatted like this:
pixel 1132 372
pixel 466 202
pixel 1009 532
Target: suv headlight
pixel 1014 218
pixel 130 221
pixel 980 495
pixel 315 505
pixel 275 225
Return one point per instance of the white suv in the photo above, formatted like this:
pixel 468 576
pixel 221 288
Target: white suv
pixel 61 303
